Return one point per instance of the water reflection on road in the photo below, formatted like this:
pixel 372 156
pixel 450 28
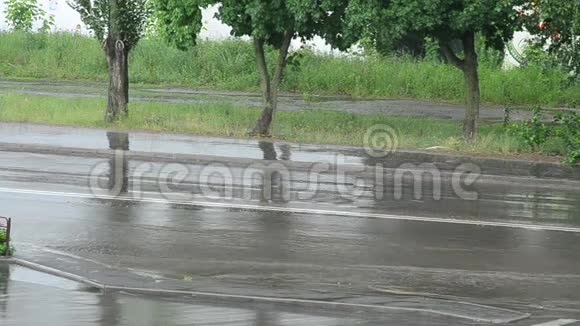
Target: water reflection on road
pixel 32 298
pixel 273 182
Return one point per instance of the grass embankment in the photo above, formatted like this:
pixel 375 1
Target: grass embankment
pixel 231 65
pixel 316 126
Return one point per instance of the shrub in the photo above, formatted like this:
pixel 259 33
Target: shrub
pixel 532 132
pixel 3 244
pixel 568 129
pixel 535 133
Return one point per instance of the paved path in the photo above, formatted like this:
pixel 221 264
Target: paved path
pixel 288 102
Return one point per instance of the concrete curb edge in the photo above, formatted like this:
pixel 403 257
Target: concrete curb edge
pixel 323 305
pixel 201 159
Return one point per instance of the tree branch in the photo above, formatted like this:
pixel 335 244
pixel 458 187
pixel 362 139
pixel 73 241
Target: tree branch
pixel 451 57
pixel 262 68
pixel 282 59
pixel 469 48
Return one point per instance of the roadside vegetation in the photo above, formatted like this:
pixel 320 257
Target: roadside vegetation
pixel 230 65
pixel 309 126
pixel 410 49
pixel 561 136
pixel 118 26
pixel 453 28
pixel 3 244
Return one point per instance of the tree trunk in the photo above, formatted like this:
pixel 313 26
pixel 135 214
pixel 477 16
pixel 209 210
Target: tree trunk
pixel 469 66
pixel 117 59
pixel 270 86
pixel 470 125
pixel 263 124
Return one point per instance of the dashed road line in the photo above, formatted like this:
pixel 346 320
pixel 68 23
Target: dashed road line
pixel 559 322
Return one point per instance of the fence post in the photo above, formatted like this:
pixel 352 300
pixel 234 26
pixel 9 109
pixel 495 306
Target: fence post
pixel 8 227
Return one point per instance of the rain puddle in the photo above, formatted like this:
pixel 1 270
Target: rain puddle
pixel 167 143
pixel 28 297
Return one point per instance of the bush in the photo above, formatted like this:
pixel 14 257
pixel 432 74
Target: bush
pixel 533 132
pixel 564 129
pixel 568 130
pixel 3 244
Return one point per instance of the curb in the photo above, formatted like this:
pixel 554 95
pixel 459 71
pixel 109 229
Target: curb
pixel 55 272
pixel 232 298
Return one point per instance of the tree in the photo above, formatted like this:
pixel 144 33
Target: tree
pixel 22 14
pixel 555 24
pixel 118 25
pixel 272 23
pixel 454 24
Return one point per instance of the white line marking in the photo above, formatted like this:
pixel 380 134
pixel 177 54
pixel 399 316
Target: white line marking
pixel 262 299
pixel 56 272
pixel 516 316
pixel 298 210
pixel 559 322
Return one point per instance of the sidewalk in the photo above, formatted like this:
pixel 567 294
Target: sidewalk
pixel 287 101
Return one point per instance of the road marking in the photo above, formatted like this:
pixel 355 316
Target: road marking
pixel 559 322
pixel 326 212
pixel 513 316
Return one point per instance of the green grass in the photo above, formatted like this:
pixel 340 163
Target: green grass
pixel 310 126
pixel 230 65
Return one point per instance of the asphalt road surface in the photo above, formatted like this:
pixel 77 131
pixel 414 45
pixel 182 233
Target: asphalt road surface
pixel 32 298
pixel 511 253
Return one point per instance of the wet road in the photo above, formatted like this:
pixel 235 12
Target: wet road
pixel 328 238
pixel 31 298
